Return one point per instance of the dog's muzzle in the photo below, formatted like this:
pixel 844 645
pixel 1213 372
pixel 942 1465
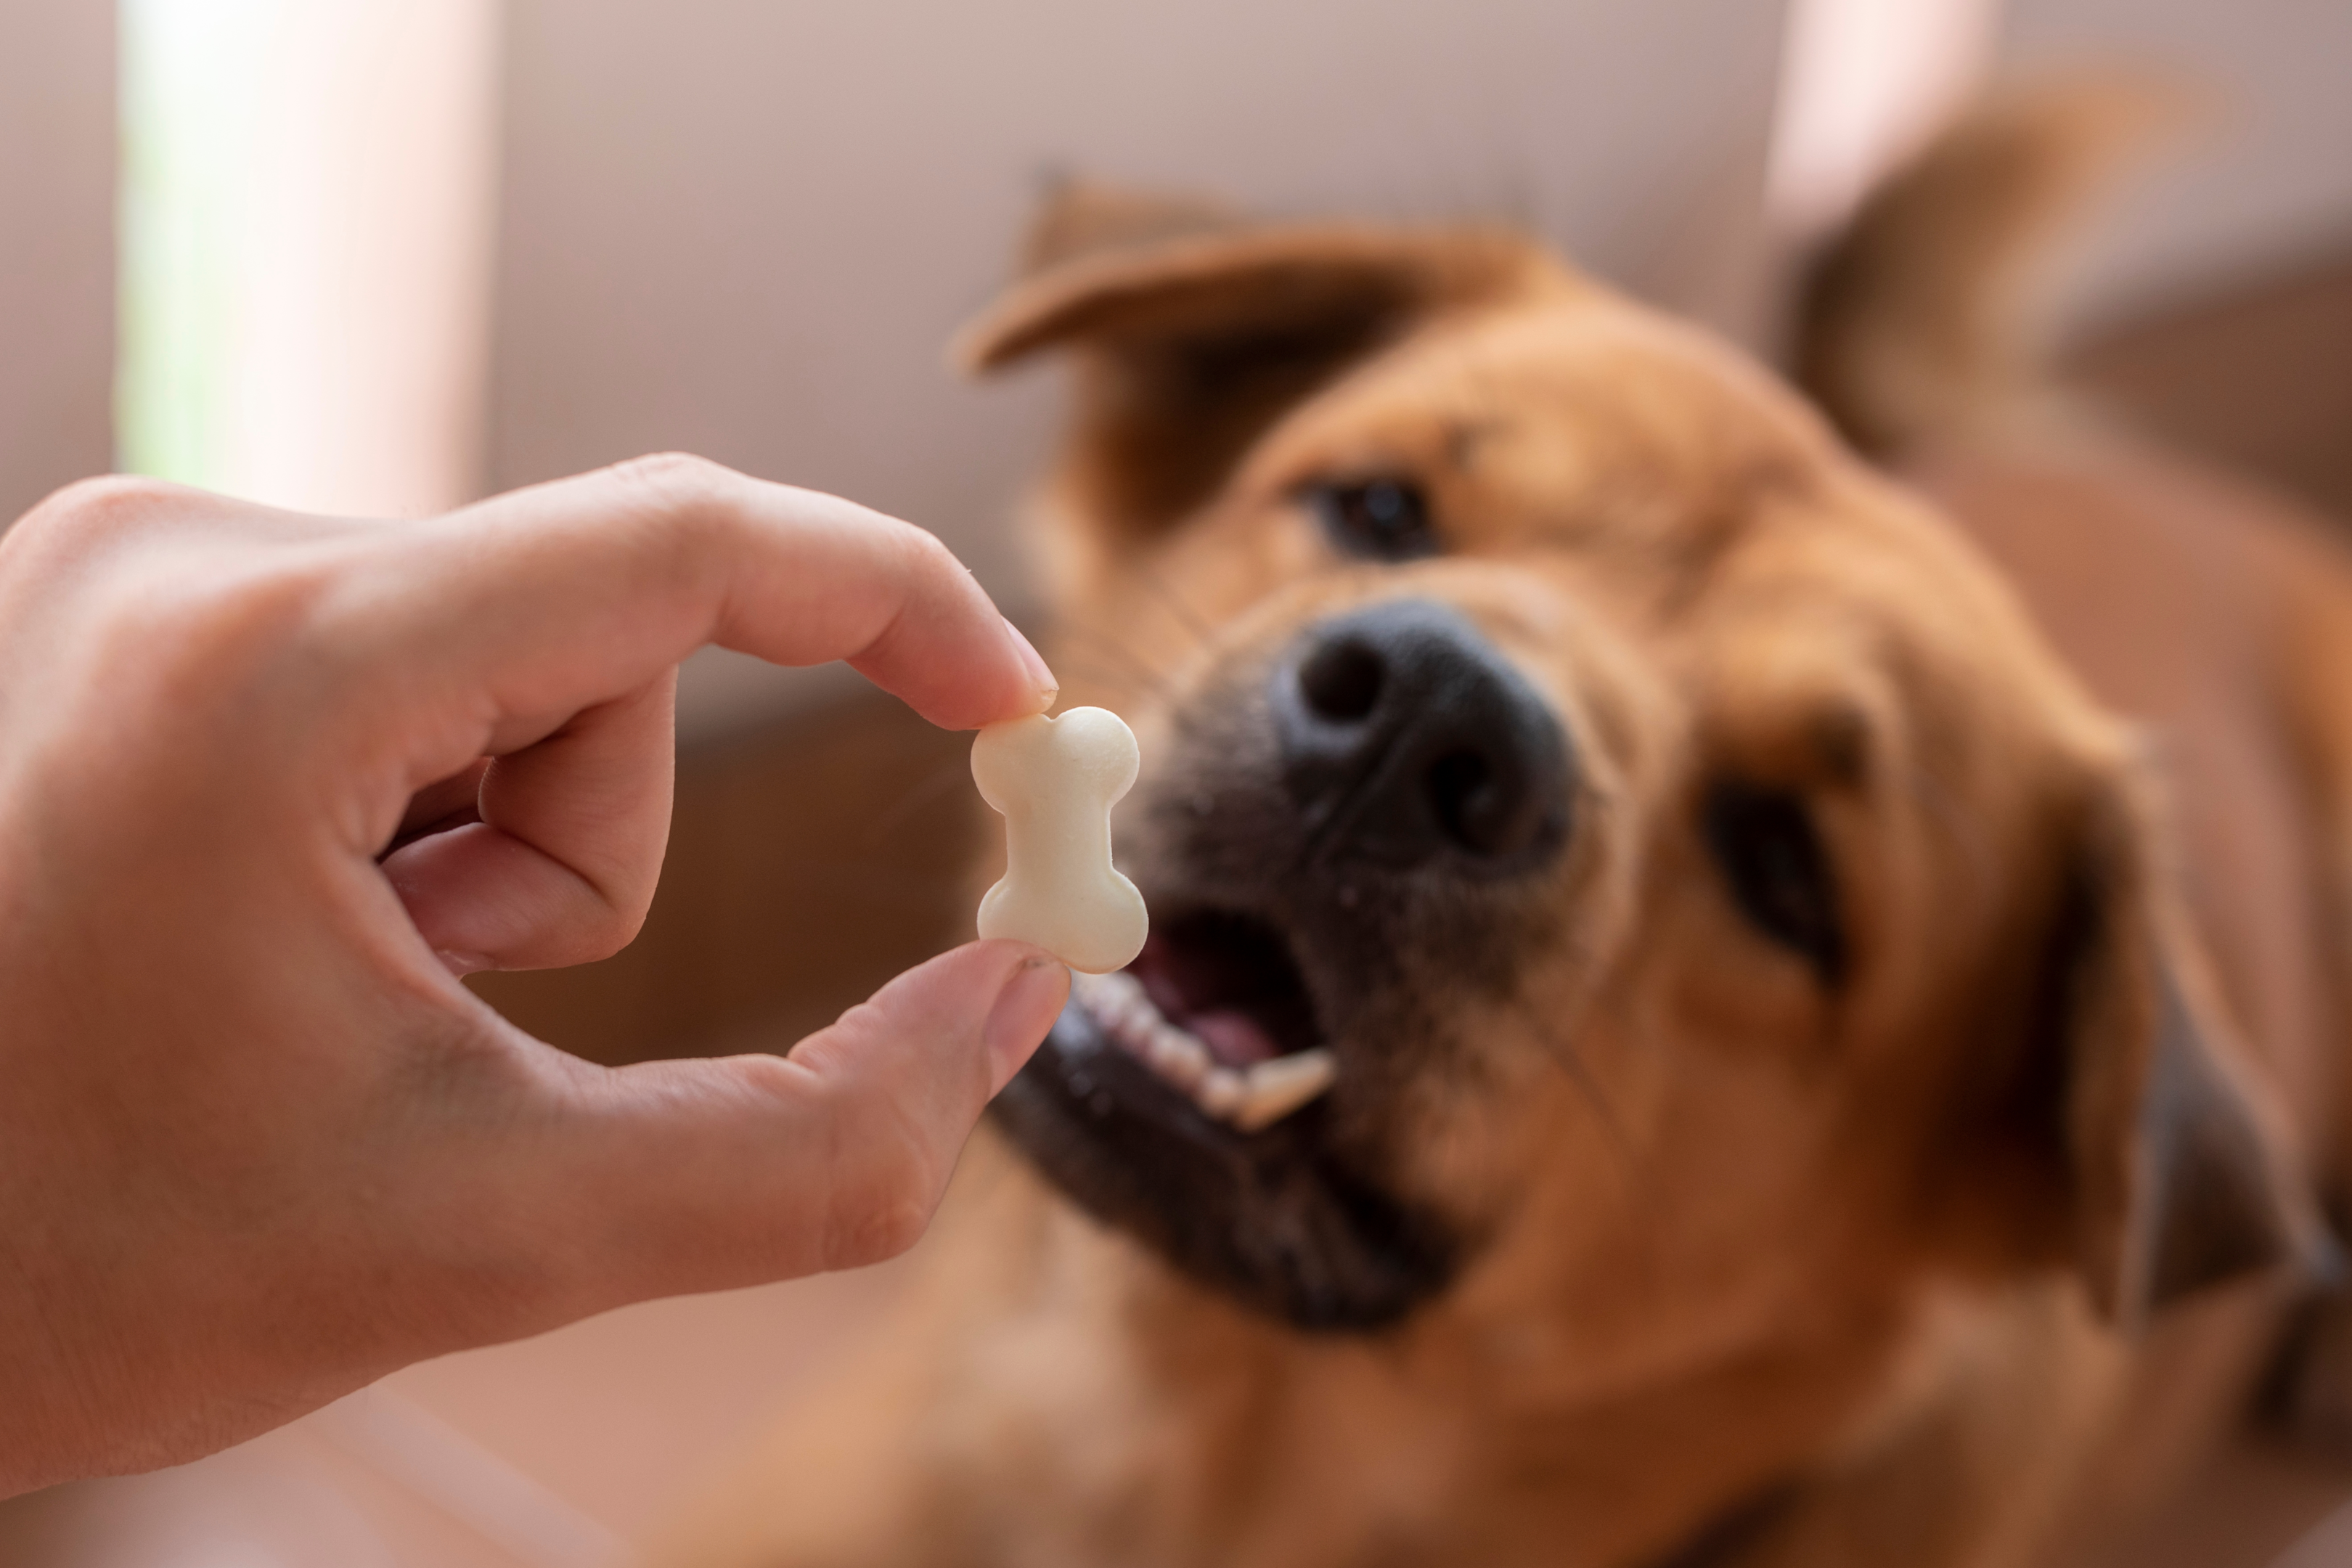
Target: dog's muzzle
pixel 1337 846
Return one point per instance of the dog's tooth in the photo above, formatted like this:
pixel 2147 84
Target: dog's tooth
pixel 1106 1004
pixel 1221 1092
pixel 1179 1056
pixel 1138 1019
pixel 1128 1000
pixel 1273 1090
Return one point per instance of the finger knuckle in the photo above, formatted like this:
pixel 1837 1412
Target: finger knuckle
pixel 90 511
pixel 773 1080
pixel 926 555
pixel 675 481
pixel 881 1234
pixel 684 506
pixel 224 627
pixel 106 497
pixel 892 1181
pixel 611 925
pixel 207 638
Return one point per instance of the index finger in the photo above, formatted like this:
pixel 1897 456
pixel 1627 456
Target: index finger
pixel 564 594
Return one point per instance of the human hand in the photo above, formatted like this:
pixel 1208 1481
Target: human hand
pixel 268 783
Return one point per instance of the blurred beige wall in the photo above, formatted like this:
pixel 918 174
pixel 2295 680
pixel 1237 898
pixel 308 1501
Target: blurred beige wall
pixel 57 245
pixel 747 227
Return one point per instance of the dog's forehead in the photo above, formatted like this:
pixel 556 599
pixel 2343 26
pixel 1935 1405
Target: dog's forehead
pixel 1588 408
pixel 1583 426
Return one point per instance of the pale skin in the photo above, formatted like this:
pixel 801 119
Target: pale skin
pixel 269 785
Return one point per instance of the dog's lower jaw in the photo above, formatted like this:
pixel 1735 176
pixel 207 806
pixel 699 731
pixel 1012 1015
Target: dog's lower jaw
pixel 1272 1219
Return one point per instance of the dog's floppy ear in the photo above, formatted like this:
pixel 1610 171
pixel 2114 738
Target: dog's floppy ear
pixel 1193 330
pixel 2176 1169
pixel 1085 217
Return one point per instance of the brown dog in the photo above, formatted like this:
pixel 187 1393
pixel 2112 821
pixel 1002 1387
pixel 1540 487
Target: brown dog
pixel 1795 1042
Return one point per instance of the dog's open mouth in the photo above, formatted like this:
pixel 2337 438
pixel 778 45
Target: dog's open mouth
pixel 1216 1007
pixel 1187 1098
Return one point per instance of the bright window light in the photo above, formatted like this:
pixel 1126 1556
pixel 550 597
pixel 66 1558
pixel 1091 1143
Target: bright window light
pixel 307 221
pixel 1862 84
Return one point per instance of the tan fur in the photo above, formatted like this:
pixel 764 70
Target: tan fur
pixel 1777 1274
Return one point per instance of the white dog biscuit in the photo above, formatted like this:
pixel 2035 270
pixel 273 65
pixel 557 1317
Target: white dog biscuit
pixel 1054 780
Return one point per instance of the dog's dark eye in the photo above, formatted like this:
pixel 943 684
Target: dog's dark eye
pixel 1778 873
pixel 1383 519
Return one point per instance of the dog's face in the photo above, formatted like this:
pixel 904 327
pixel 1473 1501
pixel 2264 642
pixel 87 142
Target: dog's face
pixel 1719 910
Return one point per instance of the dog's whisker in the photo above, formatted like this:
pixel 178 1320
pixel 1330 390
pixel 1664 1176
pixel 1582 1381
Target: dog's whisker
pixel 1108 642
pixel 1117 684
pixel 1162 590
pixel 864 881
pixel 1572 1061
pixel 1143 676
pixel 1968 836
pixel 921 793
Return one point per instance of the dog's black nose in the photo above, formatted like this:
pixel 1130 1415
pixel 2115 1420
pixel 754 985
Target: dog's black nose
pixel 1406 739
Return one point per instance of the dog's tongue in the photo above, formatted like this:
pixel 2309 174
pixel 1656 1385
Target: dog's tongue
pixel 1232 1039
pixel 1184 984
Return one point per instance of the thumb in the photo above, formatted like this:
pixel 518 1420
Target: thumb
pixel 707 1175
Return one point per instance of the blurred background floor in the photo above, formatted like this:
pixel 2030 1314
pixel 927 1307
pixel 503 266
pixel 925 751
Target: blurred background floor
pixel 553 1452
pixel 545 1454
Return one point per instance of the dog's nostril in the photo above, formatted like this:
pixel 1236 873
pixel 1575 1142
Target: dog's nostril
pixel 1343 680
pixel 1461 789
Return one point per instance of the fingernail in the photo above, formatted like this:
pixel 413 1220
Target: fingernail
pixel 1040 676
pixel 1032 999
pixel 461 964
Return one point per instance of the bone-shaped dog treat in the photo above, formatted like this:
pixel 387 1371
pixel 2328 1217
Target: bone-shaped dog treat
pixel 1055 780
